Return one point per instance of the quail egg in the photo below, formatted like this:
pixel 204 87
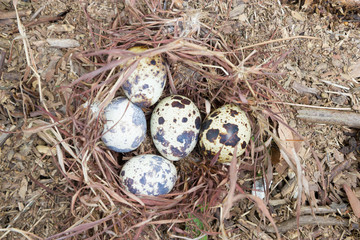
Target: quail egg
pixel 146 84
pixel 125 125
pixel 222 130
pixel 175 126
pixel 148 174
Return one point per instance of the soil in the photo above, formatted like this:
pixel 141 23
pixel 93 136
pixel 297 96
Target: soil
pixel 318 67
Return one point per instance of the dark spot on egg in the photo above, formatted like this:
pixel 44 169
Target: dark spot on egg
pixel 157 159
pixel 143 179
pixel 129 183
pixel 157 168
pixel 186 101
pixel 162 189
pixel 153 62
pixel 145 86
pixel 206 124
pixel 137 141
pixel 176 152
pixel 177 104
pixel 243 145
pixel 122 173
pixel 143 103
pixel 230 138
pixel 159 136
pixel 174 120
pixel 137 78
pixel 212 134
pixel 127 87
pixel 197 123
pixel 186 138
pixel 166 104
pixel 233 112
pixel 184 119
pixel 161 120
pixel 123 129
pixel 138 118
pixel 177 97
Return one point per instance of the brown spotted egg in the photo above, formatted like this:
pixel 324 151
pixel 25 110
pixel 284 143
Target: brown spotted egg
pixel 146 84
pixel 175 126
pixel 222 130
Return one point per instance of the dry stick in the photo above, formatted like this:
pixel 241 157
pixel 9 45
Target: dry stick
pixel 276 40
pixel 307 220
pixel 326 116
pixel 12 14
pixel 353 200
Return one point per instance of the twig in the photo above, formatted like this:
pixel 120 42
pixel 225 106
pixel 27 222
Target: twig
pixel 314 106
pixel 276 40
pixel 349 119
pixel 307 220
pixel 353 200
pixel 12 14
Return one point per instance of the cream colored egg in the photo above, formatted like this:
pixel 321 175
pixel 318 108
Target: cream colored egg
pixel 223 129
pixel 148 174
pixel 146 84
pixel 175 126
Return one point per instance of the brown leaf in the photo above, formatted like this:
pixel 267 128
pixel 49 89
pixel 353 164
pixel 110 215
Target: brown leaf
pixel 354 201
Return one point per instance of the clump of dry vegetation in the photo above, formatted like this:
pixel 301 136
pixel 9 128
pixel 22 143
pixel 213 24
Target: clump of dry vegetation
pixel 211 66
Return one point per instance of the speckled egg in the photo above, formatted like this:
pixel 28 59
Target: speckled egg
pixel 222 130
pixel 175 126
pixel 125 125
pixel 146 84
pixel 148 175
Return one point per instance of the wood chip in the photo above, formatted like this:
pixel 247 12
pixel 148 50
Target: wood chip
pixel 63 43
pixel 353 200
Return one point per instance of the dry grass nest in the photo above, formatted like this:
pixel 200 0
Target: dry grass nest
pixel 203 66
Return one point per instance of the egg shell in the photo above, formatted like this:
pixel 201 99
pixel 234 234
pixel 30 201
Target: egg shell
pixel 125 125
pixel 175 125
pixel 222 130
pixel 148 174
pixel 146 84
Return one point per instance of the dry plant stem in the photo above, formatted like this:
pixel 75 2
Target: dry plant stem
pixel 231 199
pixel 276 40
pixel 354 201
pixel 12 14
pixel 313 106
pixel 25 234
pixel 29 57
pixel 306 210
pixel 307 220
pixel 350 119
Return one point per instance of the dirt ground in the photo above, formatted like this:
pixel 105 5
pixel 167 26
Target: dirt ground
pixel 318 51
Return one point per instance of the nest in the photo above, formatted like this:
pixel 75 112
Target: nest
pixel 202 65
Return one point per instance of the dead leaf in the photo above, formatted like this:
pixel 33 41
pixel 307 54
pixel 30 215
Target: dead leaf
pixel 307 3
pixel 23 188
pixel 354 70
pixel 353 200
pixel 297 16
pixel 61 28
pixel 48 151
